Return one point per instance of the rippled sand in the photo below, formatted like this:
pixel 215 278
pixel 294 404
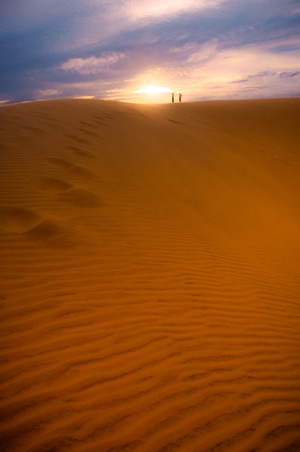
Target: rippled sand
pixel 150 276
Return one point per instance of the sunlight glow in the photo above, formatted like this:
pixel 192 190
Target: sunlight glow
pixel 84 97
pixel 138 10
pixel 152 89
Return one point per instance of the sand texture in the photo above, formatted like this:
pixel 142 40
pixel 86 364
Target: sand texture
pixel 150 276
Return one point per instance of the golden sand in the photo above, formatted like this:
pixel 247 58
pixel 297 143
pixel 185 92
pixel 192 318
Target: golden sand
pixel 150 276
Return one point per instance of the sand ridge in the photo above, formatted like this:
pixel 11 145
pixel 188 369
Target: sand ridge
pixel 149 286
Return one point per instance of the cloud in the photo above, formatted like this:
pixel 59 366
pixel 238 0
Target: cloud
pixel 92 65
pixel 48 93
pixel 201 53
pixel 290 74
pixel 137 10
pixel 98 49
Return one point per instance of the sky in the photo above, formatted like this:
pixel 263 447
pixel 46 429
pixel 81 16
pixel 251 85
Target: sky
pixel 142 50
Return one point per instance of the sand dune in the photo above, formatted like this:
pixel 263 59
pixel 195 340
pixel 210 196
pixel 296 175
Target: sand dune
pixel 150 289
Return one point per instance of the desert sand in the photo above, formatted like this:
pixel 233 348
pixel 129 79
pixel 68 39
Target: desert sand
pixel 150 276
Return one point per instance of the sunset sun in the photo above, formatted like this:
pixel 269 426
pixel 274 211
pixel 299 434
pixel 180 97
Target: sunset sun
pixel 153 89
pixel 152 94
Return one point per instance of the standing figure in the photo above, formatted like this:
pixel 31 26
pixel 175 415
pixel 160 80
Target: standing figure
pixel 180 95
pixel 172 98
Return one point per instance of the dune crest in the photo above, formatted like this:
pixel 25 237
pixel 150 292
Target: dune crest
pixel 149 288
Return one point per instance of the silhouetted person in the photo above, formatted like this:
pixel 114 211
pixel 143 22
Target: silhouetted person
pixel 172 98
pixel 180 96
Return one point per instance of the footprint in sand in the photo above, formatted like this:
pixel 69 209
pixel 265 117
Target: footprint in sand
pixel 51 184
pixel 78 140
pixel 83 153
pixel 76 170
pixel 87 132
pixel 35 228
pixel 79 197
pixel 15 219
pixel 66 192
pixel 80 152
pixel 51 235
pixel 33 129
pixel 60 163
pixel 100 121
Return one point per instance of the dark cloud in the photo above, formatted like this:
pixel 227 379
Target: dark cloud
pixel 290 74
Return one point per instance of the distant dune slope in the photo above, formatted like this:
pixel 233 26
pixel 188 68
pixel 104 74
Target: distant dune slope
pixel 149 276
